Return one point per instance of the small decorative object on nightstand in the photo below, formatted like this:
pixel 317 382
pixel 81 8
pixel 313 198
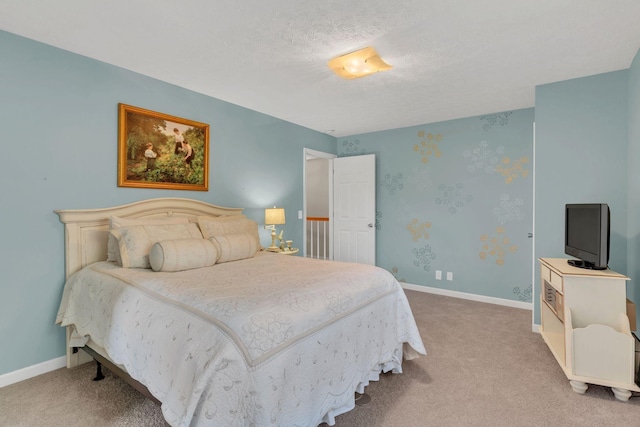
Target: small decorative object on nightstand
pixel 288 251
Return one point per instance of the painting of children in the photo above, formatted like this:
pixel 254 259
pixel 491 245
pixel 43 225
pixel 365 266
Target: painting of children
pixel 156 150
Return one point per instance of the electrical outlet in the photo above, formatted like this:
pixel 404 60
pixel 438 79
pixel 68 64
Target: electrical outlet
pixel 299 214
pixel 438 275
pixel 449 275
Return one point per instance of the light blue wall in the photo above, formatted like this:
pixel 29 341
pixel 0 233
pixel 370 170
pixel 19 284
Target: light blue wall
pixel 59 126
pixel 633 199
pixel 59 119
pixel 581 157
pixel 455 196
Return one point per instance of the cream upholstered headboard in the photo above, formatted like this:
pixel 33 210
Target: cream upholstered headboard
pixel 86 230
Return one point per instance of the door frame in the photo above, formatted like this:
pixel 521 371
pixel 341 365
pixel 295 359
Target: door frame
pixel 535 285
pixel 309 154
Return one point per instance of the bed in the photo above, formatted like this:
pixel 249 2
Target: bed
pixel 250 338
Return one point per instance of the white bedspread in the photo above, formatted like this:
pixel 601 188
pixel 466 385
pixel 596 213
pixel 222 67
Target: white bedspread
pixel 271 340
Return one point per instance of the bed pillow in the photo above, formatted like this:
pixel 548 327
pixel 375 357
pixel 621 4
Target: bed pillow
pixel 222 226
pixel 135 242
pixel 233 247
pixel 221 217
pixel 117 222
pixel 182 254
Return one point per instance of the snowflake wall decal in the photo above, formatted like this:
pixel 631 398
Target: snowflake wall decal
pixel 496 246
pixel 510 170
pixel 492 120
pixel 392 183
pixel 351 148
pixel 428 146
pixel 525 294
pixel 509 210
pixel 378 220
pixel 418 229
pixel 423 257
pixel 483 158
pixel 452 197
pixel 420 179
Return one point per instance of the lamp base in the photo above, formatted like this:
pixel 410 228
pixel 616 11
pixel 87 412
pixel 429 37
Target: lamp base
pixel 274 236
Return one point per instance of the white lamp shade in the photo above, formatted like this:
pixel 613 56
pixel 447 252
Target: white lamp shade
pixel 274 216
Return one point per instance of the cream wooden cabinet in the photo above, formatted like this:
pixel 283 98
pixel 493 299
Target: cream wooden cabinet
pixel 585 324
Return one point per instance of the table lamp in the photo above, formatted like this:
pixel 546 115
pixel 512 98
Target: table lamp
pixel 272 217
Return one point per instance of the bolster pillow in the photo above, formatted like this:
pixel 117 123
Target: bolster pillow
pixel 182 254
pixel 234 247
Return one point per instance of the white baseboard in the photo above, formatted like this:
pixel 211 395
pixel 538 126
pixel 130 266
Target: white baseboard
pixel 472 297
pixel 32 371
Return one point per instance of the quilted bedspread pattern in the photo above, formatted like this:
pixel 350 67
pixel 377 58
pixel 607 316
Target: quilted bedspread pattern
pixel 270 340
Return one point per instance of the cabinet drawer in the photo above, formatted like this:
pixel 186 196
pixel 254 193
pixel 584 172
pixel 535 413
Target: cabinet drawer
pixel 545 273
pixel 556 281
pixel 554 299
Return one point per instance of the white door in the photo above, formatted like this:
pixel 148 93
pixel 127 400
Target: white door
pixel 354 209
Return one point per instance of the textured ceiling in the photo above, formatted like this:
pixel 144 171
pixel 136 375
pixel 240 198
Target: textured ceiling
pixel 451 58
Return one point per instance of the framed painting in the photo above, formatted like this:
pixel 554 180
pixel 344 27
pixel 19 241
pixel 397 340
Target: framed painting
pixel 156 150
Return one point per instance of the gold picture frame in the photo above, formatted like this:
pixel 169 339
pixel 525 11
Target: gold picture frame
pixel 179 151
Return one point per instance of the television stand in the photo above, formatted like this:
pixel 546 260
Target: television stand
pixel 585 324
pixel 584 264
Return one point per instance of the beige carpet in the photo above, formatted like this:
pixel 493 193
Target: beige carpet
pixel 484 368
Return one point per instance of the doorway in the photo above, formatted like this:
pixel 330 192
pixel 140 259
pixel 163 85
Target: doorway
pixel 339 207
pixel 317 199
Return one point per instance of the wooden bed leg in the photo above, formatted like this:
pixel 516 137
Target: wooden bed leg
pixel 99 375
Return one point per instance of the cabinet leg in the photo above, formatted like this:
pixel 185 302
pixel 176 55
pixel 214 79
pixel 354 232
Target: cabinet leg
pixel 578 386
pixel 621 393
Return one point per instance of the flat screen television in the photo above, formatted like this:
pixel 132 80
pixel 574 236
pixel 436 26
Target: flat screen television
pixel 586 235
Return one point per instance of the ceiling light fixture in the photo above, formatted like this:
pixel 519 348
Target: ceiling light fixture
pixel 358 64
